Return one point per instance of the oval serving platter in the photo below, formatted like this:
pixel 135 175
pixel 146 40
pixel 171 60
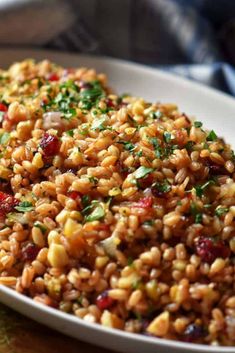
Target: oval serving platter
pixel 214 109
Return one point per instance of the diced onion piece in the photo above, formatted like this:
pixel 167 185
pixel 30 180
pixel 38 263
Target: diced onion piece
pixel 17 217
pixel 110 245
pixel 52 120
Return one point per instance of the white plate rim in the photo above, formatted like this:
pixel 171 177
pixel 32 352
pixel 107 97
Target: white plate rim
pixel 186 347
pixel 30 53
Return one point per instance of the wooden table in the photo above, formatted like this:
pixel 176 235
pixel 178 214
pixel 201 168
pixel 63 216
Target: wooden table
pixel 19 334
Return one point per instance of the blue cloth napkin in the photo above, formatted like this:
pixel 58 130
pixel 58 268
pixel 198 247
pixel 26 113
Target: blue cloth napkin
pixel 193 38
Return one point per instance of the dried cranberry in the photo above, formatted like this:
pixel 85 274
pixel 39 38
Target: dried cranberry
pixel 103 226
pixel 110 103
pixel 193 332
pixel 74 195
pixel 144 324
pixel 44 102
pixel 146 202
pixel 215 169
pixel 3 107
pixel 123 104
pixel 7 203
pixel 29 252
pixel 50 145
pixel 103 301
pixel 122 168
pixel 223 250
pixel 84 85
pixel 145 182
pixel 209 250
pixel 158 193
pixel 53 77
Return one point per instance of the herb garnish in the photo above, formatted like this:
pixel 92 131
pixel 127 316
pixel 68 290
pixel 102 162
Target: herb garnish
pixel 220 211
pixel 94 211
pixel 211 136
pixel 197 124
pixel 4 138
pixel 154 141
pixel 139 153
pixel 41 226
pixel 142 171
pixel 189 146
pixel 196 212
pixel 90 96
pixel 70 132
pixel 156 115
pixel 25 206
pixel 200 189
pixel 162 187
pixel 64 102
pixel 128 146
pixel 198 218
pixel 93 180
pixel 165 151
pixel 98 124
pixel 136 284
pixel 70 95
pixel 85 200
pixel 149 222
pixel 130 261
pixel 167 137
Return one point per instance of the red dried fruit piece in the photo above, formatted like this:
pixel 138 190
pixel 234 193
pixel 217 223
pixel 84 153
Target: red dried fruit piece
pixel 145 182
pixel 53 77
pixel 30 252
pixel 44 102
pixel 121 168
pixel 76 196
pixel 3 107
pixel 193 333
pixel 50 145
pixel 103 301
pixel 159 193
pixel 103 226
pixel 209 249
pixel 146 202
pixel 110 103
pixel 215 169
pixel 7 203
pixel 84 85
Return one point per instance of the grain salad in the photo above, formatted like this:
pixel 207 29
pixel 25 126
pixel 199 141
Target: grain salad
pixel 114 209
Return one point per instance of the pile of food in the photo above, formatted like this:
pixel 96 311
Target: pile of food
pixel 115 209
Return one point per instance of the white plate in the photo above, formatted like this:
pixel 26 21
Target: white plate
pixel 214 109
